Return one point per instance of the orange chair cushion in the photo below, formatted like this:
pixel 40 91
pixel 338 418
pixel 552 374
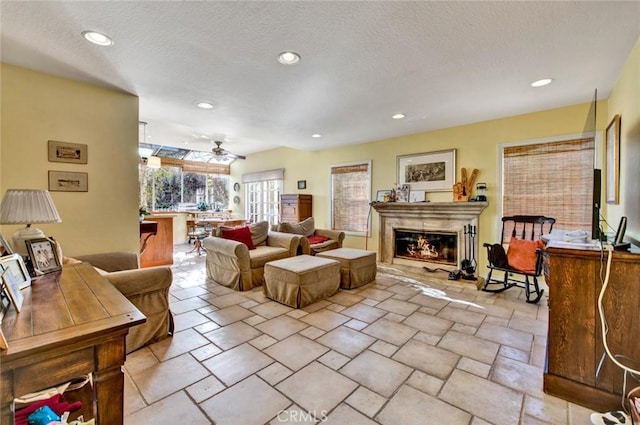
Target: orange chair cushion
pixel 522 254
pixel 239 234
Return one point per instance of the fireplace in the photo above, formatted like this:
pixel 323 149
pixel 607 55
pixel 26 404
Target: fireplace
pixel 433 247
pixel 406 227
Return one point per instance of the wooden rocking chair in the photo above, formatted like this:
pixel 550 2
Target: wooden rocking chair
pixel 522 263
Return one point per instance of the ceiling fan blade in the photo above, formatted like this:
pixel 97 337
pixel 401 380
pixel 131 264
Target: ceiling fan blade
pixel 219 152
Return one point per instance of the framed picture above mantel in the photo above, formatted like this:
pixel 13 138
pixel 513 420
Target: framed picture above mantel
pixel 429 171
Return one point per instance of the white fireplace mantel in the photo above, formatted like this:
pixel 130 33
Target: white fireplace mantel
pixel 425 216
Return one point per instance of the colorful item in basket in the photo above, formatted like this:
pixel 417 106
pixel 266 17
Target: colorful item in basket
pixel 42 416
pixel 55 403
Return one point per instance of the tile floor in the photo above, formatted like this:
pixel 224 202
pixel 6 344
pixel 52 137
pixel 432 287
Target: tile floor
pixel 406 349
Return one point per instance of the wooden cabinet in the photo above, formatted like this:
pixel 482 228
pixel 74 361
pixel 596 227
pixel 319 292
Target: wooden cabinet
pixel 295 208
pixel 575 346
pixel 159 248
pixel 72 323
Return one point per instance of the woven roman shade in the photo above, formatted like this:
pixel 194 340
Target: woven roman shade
pixel 350 189
pixel 553 179
pixel 196 167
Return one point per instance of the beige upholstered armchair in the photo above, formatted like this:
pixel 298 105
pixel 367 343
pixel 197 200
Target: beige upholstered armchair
pixel 313 240
pixel 231 263
pixel 147 289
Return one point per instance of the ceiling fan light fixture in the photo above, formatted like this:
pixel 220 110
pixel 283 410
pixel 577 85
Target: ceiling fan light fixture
pixel 542 82
pixel 154 162
pixel 98 38
pixel 205 105
pixel 288 58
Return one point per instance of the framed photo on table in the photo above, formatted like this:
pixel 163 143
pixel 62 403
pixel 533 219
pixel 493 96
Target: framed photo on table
pixel 613 160
pixel 4 345
pixel 14 264
pixel 43 255
pixel 10 286
pixel 429 172
pixel 5 248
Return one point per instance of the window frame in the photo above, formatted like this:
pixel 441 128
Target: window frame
pixel 263 214
pixel 180 205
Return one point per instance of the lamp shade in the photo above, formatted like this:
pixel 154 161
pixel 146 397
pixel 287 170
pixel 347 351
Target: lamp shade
pixel 25 206
pixel 154 162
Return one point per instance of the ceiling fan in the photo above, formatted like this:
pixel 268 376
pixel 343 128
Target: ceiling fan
pixel 218 152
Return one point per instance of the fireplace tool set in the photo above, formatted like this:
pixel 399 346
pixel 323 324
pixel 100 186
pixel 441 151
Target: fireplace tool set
pixel 468 264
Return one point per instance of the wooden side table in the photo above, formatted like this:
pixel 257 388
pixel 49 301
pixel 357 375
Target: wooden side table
pixel 72 323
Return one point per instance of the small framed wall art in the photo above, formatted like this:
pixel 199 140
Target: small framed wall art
pixel 67 181
pixel 302 184
pixel 67 152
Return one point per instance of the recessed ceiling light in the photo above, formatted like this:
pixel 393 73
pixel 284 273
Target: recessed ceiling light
pixel 205 105
pixel 398 116
pixel 316 135
pixel 542 82
pixel 97 38
pixel 288 58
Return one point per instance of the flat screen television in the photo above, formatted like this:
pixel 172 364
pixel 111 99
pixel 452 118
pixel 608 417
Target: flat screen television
pixel 597 202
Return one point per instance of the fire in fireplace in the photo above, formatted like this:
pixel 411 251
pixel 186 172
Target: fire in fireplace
pixel 435 247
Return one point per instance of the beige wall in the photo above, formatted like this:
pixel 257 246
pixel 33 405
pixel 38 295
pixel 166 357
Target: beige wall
pixel 625 100
pixel 476 145
pixel 36 108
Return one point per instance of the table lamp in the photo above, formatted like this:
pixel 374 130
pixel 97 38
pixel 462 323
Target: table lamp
pixel 26 206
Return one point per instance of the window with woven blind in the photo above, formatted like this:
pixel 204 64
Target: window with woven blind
pixel 350 196
pixel 554 179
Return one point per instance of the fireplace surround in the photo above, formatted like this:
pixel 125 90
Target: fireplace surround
pixel 441 218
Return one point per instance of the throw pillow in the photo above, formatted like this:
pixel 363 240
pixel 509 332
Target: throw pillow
pixel 239 234
pixel 259 232
pixel 305 228
pixel 315 239
pixel 522 254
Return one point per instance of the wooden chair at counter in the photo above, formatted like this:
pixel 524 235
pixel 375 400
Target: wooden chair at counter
pixel 196 232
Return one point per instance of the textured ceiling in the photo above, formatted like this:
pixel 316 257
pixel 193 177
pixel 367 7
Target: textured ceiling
pixel 440 63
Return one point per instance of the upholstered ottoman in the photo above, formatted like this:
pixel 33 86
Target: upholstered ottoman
pixel 357 266
pixel 302 280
